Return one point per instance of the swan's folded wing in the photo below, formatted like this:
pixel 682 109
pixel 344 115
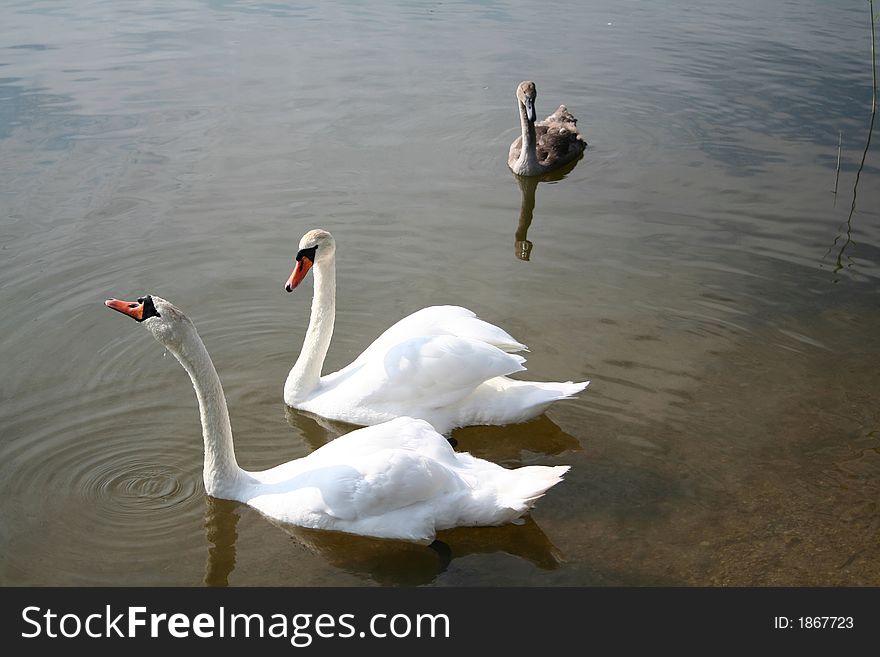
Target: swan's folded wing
pixel 434 371
pixel 558 137
pixel 396 478
pixel 403 432
pixel 372 485
pixel 385 468
pixel 444 320
pixel 561 115
pixel 476 329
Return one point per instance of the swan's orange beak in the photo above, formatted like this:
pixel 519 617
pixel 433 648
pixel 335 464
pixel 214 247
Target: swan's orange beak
pixel 303 264
pixel 133 309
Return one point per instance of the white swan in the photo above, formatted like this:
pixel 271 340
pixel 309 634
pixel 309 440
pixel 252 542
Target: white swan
pixel 398 480
pixel 545 145
pixel 440 364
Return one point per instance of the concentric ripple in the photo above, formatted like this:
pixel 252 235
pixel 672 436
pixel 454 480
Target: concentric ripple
pixel 102 482
pixel 130 486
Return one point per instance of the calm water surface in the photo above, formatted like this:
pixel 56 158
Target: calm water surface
pixel 694 265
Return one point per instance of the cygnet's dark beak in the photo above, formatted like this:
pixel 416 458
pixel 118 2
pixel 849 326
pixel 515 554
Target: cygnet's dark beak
pixel 530 109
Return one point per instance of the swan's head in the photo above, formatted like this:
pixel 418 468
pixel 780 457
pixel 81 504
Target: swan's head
pixel 165 321
pixel 526 94
pixel 315 246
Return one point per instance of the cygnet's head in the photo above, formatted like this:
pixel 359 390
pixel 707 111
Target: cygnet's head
pixel 526 94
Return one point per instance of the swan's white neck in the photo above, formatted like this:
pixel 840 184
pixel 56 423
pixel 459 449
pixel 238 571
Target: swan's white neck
pixel 305 375
pixel 221 472
pixel 527 164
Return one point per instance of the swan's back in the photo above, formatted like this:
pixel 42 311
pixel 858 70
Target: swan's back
pixel 561 115
pixel 445 320
pixel 399 479
pixel 441 364
pixel 559 140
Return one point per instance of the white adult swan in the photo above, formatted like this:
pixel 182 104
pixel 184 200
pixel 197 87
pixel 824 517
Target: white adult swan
pixel 545 145
pixel 400 479
pixel 440 364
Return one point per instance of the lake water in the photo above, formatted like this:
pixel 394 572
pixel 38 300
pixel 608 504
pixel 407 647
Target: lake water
pixel 695 265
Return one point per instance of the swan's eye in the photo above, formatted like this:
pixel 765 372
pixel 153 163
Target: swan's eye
pixel 307 253
pixel 149 308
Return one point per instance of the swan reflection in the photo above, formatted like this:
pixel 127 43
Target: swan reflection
pixel 221 522
pixel 508 445
pixel 314 429
pixel 527 187
pixel 504 445
pixel 380 561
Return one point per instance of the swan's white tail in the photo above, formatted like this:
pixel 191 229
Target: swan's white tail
pixel 566 389
pixel 542 394
pixel 528 484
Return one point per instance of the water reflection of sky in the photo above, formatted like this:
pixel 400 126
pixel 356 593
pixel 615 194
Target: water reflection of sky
pixel 789 76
